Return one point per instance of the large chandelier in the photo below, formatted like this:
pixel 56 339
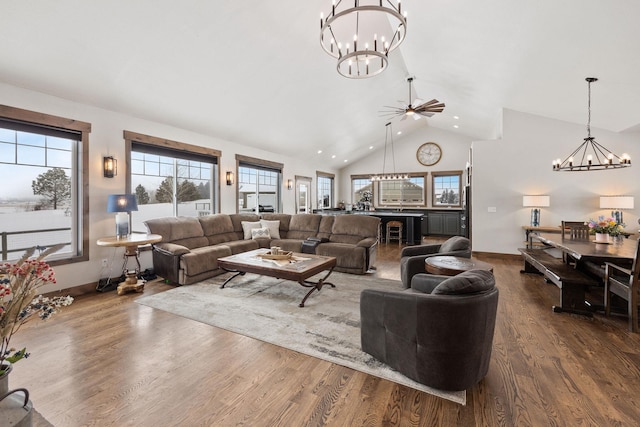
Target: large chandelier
pixel 389 176
pixel 362 36
pixel 591 155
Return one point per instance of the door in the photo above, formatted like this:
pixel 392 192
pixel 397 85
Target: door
pixel 303 194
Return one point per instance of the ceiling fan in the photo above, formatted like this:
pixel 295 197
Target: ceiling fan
pixel 417 109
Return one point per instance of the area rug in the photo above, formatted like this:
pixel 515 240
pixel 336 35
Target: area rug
pixel 265 308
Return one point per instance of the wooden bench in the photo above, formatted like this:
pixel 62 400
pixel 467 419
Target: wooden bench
pixel 572 282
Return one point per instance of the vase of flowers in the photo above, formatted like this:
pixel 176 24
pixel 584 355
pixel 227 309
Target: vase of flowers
pixel 605 228
pixel 20 302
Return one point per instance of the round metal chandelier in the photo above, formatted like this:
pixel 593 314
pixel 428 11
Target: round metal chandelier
pixel 360 37
pixel 591 155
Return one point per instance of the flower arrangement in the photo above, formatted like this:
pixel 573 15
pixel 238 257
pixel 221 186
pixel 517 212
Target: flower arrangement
pixel 605 226
pixel 18 301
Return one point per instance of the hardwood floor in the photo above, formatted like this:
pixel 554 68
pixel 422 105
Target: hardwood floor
pixel 107 361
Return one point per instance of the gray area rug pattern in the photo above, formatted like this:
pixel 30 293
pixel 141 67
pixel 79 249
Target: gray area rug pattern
pixel 266 308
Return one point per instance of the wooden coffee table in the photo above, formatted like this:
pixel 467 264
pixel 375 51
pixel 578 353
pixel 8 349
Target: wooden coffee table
pixel 452 265
pixel 298 269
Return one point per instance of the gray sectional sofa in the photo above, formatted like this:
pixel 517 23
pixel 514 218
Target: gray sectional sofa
pixel 191 246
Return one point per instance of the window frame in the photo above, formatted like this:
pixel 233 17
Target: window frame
pixel 162 144
pixel 81 163
pixel 259 164
pixel 434 176
pixel 332 189
pixel 377 193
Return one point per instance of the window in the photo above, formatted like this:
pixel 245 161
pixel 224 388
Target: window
pixel 259 183
pixel 154 163
pixel 44 158
pixel 447 188
pixel 410 192
pixel 325 190
pixel 361 189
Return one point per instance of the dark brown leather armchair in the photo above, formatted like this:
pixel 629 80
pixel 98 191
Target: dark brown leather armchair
pixel 439 333
pixel 412 257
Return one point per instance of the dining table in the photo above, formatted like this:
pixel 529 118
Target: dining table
pixel 590 256
pixel 620 248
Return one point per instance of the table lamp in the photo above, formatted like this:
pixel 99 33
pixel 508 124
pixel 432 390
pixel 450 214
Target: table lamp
pixel 535 202
pixel 617 203
pixel 122 204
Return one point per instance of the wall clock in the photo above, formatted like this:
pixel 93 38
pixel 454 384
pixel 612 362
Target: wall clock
pixel 429 153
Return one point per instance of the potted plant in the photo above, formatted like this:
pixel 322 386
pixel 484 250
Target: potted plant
pixel 605 227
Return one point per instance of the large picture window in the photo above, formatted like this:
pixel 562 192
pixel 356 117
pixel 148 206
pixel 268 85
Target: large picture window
pixel 447 188
pixel 43 160
pixel 170 178
pixel 259 183
pixel 409 192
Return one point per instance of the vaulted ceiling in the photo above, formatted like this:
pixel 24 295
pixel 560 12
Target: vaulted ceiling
pixel 253 72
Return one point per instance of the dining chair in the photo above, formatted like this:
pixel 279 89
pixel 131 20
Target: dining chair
pixel 575 230
pixel 624 283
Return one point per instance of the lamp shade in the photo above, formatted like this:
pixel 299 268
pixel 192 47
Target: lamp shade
pixel 536 201
pixel 122 203
pixel 616 202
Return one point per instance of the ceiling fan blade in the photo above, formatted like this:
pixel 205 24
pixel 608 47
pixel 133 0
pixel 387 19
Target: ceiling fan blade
pixel 404 117
pixel 426 114
pixel 426 104
pixel 435 108
pixel 417 116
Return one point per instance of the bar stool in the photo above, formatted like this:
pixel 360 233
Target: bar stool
pixel 394 231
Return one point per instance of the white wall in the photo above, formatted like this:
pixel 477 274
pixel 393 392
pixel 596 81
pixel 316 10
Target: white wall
pixel 520 163
pixel 107 138
pixel 455 154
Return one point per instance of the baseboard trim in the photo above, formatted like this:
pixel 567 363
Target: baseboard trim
pixel 512 257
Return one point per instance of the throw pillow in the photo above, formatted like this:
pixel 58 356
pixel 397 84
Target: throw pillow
pixel 273 226
pixel 260 233
pixel 469 282
pixel 455 243
pixel 247 226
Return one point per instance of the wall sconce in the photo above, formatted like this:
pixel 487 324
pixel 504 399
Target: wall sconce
pixel 110 167
pixel 289 184
pixel 229 178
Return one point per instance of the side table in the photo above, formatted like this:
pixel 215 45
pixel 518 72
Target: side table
pixel 131 244
pixel 451 265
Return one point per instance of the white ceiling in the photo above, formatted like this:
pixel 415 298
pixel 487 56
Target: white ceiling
pixel 253 72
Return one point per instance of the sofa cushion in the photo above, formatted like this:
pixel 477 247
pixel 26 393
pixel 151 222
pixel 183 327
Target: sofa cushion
pixel 302 226
pixel 468 282
pixel 353 228
pixel 455 243
pixel 284 219
pixel 238 246
pixel 326 226
pixel 236 220
pixel 260 233
pixel 202 260
pixel 185 231
pixel 217 228
pixel 248 226
pixel 273 226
